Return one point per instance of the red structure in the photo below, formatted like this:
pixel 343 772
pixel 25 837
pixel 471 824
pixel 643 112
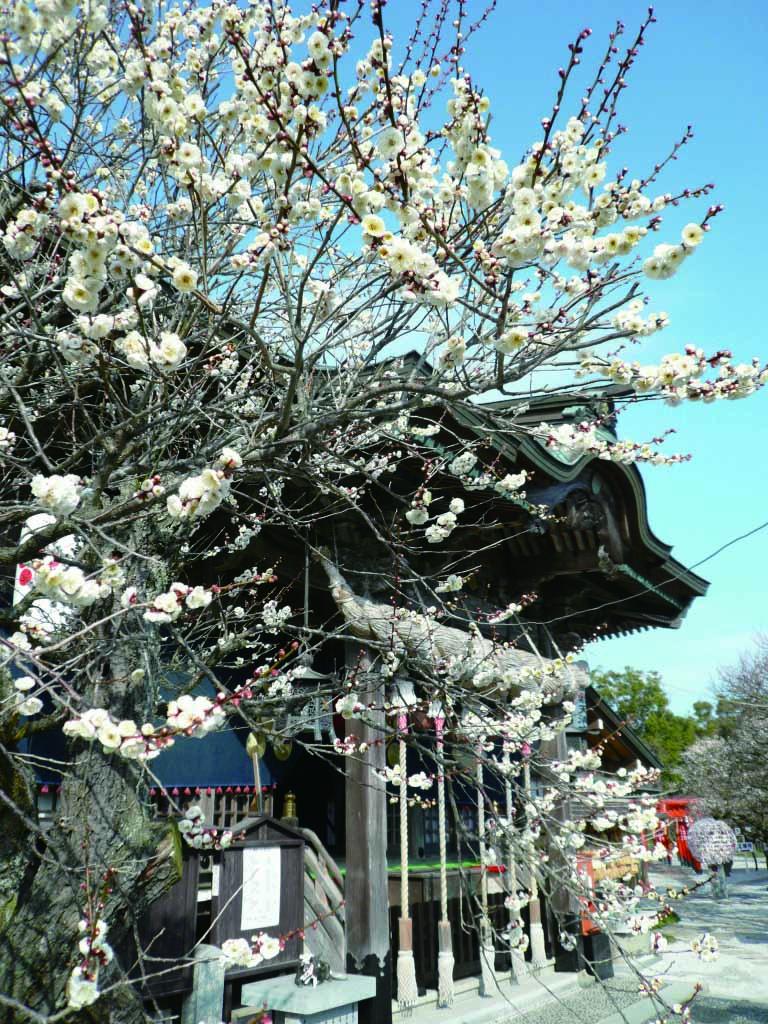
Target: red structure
pixel 677 814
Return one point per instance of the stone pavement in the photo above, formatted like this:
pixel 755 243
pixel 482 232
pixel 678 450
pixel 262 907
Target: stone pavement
pixel 740 925
pixel 735 985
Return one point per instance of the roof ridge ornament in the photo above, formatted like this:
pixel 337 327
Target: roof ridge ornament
pixel 467 656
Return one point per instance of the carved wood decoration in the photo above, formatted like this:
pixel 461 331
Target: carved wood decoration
pixel 426 643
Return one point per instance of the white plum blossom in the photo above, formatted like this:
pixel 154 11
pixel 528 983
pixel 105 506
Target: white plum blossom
pixel 451 584
pixel 199 495
pixel 349 705
pixel 274 618
pixel 58 494
pixel 417 516
pixel 463 464
pixel 184 277
pixel 67 584
pixel 167 607
pixel 658 942
pixel 198 597
pixel 169 352
pixel 195 833
pixel 242 953
pixel 706 947
pixel 82 990
pixel 238 953
pixel 27 705
pixel 82 984
pixel 265 287
pixel 420 780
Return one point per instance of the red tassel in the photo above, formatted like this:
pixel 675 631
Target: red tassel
pixel 187 791
pixel 246 789
pixel 238 790
pixel 219 791
pixel 175 791
pixel 228 789
pixel 198 791
pixel 152 791
pixel 43 789
pixel 209 791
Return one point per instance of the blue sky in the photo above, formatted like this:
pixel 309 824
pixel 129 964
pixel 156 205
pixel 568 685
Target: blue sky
pixel 703 64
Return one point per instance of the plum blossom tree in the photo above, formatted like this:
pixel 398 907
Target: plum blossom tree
pixel 726 771
pixel 246 275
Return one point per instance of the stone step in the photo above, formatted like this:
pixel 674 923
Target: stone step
pixel 470 1007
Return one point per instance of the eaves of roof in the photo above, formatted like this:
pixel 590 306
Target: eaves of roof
pixel 477 420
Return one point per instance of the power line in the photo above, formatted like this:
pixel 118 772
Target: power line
pixel 729 544
pixel 650 590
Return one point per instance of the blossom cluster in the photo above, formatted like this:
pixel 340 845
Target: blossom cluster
pixel 349 706
pixel 199 495
pixel 572 441
pixel 228 238
pixel 187 716
pixel 681 376
pixel 706 947
pixel 443 524
pixel 242 953
pixel 394 776
pixel 167 607
pixel 26 703
pixel 83 982
pixel 195 834
pixel 67 584
pixel 59 495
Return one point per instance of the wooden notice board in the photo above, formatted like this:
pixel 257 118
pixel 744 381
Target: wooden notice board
pixel 261 889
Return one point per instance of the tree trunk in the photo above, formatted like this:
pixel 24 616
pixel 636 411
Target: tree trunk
pixel 102 825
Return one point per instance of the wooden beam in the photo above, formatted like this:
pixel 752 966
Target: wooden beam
pixel 366 889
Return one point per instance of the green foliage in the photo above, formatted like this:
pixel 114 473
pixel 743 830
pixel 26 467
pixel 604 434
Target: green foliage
pixel 705 717
pixel 639 698
pixel 633 694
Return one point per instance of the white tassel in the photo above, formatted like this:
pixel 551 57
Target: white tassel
pixel 445 992
pixel 445 965
pixel 488 986
pixel 407 989
pixel 538 948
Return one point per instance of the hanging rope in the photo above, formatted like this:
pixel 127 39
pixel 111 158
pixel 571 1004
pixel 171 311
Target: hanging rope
pixel 445 960
pixel 538 949
pixel 517 958
pixel 407 989
pixel 487 952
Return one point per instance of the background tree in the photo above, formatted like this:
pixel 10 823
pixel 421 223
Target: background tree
pixel 727 770
pixel 639 697
pixel 705 717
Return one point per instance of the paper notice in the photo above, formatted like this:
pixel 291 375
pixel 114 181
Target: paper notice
pixel 261 887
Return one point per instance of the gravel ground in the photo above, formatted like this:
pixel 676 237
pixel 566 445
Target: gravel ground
pixel 586 1007
pixel 723 1011
pixel 594 1004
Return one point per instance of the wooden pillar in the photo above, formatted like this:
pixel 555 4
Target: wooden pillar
pixel 366 885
